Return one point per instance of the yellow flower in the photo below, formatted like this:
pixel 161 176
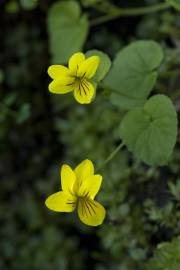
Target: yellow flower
pixel 79 188
pixel 77 77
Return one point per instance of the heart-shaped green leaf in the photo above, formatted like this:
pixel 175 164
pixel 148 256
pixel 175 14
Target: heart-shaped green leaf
pixel 134 73
pixel 68 30
pixel 150 131
pixel 105 64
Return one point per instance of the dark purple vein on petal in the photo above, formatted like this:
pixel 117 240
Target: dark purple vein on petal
pixel 87 207
pixel 91 206
pixel 91 202
pixel 82 86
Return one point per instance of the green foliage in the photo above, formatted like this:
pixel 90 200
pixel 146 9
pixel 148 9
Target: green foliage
pixel 88 3
pixel 105 64
pixel 23 113
pixel 39 132
pixel 29 4
pixel 12 7
pixel 174 3
pixel 150 131
pixel 167 256
pixel 20 115
pixel 165 216
pixel 67 28
pixel 134 73
pixel 175 189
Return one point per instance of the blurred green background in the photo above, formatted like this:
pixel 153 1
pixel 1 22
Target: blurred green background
pixel 40 131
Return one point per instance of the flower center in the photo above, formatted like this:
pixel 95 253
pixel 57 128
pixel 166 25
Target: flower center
pixel 82 195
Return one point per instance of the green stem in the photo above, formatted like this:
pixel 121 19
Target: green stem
pixel 111 156
pixel 130 12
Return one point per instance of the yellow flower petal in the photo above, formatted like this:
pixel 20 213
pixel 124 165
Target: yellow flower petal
pixel 84 169
pixel 62 86
pixel 90 186
pixel 57 71
pixel 84 91
pixel 91 212
pixel 68 178
pixel 75 61
pixel 61 202
pixel 88 68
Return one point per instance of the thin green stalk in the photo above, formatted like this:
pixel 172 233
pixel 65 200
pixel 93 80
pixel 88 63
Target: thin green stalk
pixel 130 12
pixel 111 156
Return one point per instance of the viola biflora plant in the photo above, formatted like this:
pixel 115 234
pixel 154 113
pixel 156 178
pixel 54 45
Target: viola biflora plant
pixel 148 128
pixel 79 188
pixel 149 125
pixel 78 77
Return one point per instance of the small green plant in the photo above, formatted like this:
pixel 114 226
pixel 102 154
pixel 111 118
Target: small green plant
pixel 117 65
pixel 149 126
